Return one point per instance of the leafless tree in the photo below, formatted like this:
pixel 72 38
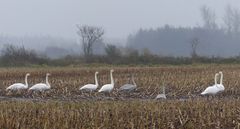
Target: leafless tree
pixel 208 17
pixel 89 36
pixel 232 20
pixel 194 42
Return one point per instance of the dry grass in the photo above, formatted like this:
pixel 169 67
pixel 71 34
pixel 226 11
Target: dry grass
pixel 65 107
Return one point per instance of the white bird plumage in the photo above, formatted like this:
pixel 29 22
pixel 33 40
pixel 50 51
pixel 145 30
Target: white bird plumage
pixel 216 87
pixel 41 86
pixel 128 87
pixel 19 86
pixel 108 87
pixel 91 87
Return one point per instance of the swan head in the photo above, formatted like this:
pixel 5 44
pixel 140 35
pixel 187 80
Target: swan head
pixel 220 72
pixel 96 72
pixel 111 70
pixel 48 74
pixel 28 74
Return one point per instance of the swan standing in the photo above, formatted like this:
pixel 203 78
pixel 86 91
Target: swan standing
pixel 19 86
pixel 108 87
pixel 128 87
pixel 41 86
pixel 91 87
pixel 213 89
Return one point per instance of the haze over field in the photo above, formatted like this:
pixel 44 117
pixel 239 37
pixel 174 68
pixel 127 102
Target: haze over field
pixel 53 23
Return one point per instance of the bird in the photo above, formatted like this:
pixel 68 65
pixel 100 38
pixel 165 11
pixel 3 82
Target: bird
pixel 108 87
pixel 19 86
pixel 91 87
pixel 213 89
pixel 163 95
pixel 41 86
pixel 128 87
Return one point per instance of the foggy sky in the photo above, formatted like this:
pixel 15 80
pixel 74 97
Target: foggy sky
pixel 118 18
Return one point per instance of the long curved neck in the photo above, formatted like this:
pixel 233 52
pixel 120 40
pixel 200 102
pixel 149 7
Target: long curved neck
pixel 47 81
pixel 112 81
pixel 96 80
pixel 134 83
pixel 221 79
pixel 215 79
pixel 26 81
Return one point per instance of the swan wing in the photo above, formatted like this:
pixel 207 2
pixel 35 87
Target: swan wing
pixel 127 87
pixel 211 90
pixel 16 86
pixel 39 86
pixel 106 88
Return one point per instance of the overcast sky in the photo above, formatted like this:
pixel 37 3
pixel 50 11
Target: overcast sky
pixel 119 18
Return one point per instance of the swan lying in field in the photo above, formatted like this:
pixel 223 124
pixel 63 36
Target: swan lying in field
pixel 128 87
pixel 216 87
pixel 91 87
pixel 163 95
pixel 108 87
pixel 19 86
pixel 41 86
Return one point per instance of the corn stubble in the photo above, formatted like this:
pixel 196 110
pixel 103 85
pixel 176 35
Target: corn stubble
pixel 64 106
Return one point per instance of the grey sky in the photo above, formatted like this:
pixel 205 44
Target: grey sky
pixel 118 18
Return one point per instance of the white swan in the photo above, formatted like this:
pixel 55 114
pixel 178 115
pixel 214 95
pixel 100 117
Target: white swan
pixel 128 87
pixel 108 87
pixel 91 87
pixel 163 95
pixel 41 86
pixel 19 86
pixel 213 89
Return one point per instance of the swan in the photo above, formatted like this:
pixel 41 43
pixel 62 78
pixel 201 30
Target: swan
pixel 91 87
pixel 163 95
pixel 108 87
pixel 128 87
pixel 41 86
pixel 19 86
pixel 213 89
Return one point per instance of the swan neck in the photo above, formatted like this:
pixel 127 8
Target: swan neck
pixel 163 88
pixel 221 79
pixel 26 80
pixel 215 79
pixel 47 81
pixel 96 80
pixel 134 83
pixel 112 81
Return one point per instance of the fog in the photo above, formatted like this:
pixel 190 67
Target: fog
pixel 58 18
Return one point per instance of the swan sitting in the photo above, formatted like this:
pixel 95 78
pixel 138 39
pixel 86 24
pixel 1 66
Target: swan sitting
pixel 128 87
pixel 19 86
pixel 41 86
pixel 108 87
pixel 215 88
pixel 163 95
pixel 91 87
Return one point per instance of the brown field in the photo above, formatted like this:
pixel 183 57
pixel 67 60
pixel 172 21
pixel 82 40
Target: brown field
pixel 64 106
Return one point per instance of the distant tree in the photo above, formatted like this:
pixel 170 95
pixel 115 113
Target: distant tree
pixel 194 42
pixel 208 17
pixel 232 20
pixel 89 36
pixel 112 51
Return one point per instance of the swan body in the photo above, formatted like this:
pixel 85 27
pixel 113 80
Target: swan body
pixel 215 88
pixel 91 87
pixel 163 95
pixel 128 87
pixel 41 86
pixel 19 86
pixel 108 87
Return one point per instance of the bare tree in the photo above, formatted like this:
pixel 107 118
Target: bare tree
pixel 232 20
pixel 89 35
pixel 208 17
pixel 194 42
